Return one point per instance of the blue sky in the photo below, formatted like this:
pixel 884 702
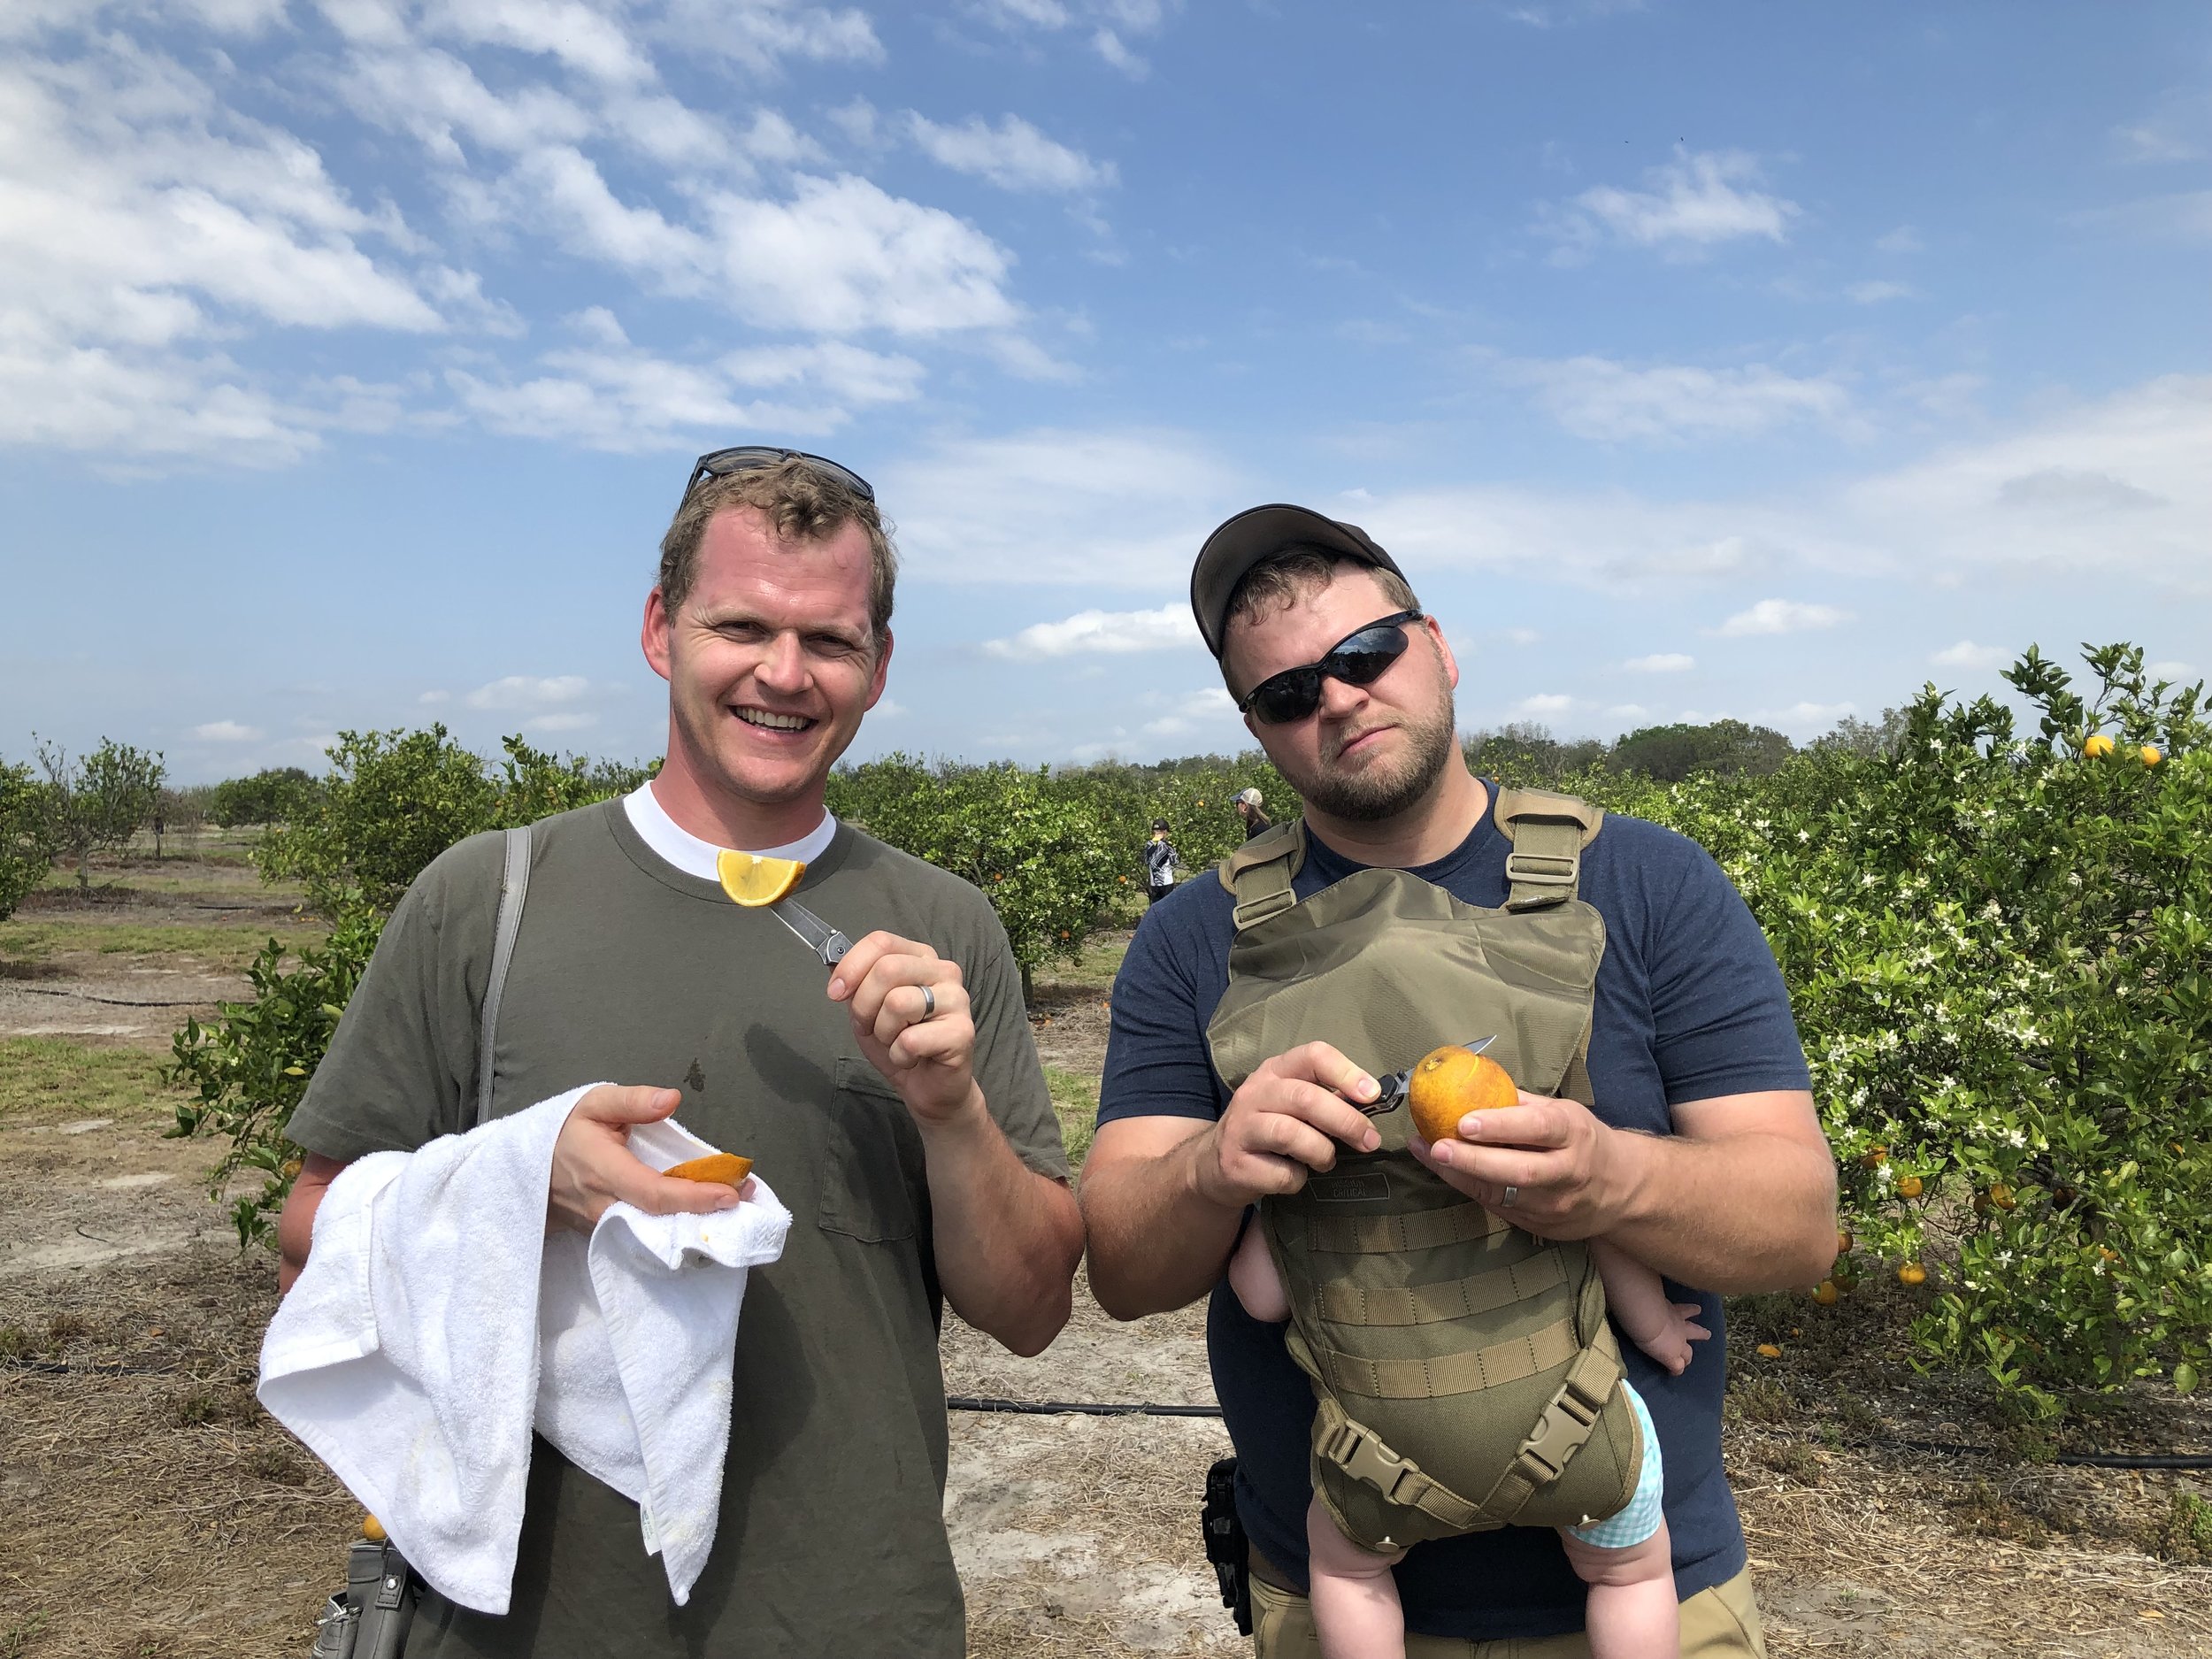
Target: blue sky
pixel 1694 360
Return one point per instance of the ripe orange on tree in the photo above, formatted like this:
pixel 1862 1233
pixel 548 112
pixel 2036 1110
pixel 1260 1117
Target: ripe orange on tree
pixel 1873 1157
pixel 1909 1187
pixel 1844 1242
pixel 2095 744
pixel 2151 756
pixel 1826 1293
pixel 1911 1274
pixel 1452 1081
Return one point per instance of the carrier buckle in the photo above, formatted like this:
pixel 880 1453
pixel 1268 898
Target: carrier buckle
pixel 1543 869
pixel 1363 1457
pixel 1559 1434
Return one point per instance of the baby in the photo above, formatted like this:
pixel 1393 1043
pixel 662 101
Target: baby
pixel 1624 1559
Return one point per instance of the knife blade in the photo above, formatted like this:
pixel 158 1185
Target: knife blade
pixel 1392 1092
pixel 826 942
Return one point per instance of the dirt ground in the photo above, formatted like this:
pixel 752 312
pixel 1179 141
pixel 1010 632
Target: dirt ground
pixel 153 1511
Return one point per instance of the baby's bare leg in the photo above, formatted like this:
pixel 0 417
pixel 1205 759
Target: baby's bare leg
pixel 1638 1299
pixel 1355 1600
pixel 1252 1275
pixel 1631 1613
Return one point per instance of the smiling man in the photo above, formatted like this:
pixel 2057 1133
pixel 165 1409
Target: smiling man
pixel 1701 1156
pixel 894 1102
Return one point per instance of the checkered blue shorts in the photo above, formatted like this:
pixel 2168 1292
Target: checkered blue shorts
pixel 1640 1519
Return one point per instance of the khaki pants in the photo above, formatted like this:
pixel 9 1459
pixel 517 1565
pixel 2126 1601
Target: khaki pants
pixel 1722 1623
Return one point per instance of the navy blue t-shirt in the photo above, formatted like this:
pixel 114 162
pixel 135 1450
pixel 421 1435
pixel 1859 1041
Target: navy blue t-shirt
pixel 1689 1007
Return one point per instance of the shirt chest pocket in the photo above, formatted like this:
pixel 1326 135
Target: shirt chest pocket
pixel 873 1174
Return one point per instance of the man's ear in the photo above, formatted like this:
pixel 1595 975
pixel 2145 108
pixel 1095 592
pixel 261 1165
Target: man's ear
pixel 883 669
pixel 653 637
pixel 1443 646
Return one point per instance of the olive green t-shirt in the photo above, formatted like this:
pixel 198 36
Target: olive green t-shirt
pixel 831 1538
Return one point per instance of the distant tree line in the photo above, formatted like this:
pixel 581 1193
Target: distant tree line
pixel 1529 754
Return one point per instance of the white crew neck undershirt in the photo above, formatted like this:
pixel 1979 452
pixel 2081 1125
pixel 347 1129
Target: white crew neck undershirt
pixel 677 846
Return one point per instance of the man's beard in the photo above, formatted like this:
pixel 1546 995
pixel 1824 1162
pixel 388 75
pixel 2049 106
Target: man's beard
pixel 1376 793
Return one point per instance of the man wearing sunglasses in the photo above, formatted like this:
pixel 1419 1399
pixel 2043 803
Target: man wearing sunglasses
pixel 893 1101
pixel 1704 1158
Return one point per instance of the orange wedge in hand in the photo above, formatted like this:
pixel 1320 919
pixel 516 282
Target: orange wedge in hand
pixel 753 881
pixel 726 1167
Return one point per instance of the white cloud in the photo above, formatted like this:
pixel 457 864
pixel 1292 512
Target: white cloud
pixel 2181 216
pixel 227 731
pixel 1660 662
pixel 609 395
pixel 1014 155
pixel 1805 719
pixel 2113 490
pixel 761 34
pixel 1628 711
pixel 1109 46
pixel 2179 672
pixel 1966 654
pixel 1595 397
pixel 1109 632
pixel 1780 616
pixel 1545 705
pixel 1210 708
pixel 574 721
pixel 842 255
pixel 530 692
pixel 1877 292
pixel 1119 508
pixel 142 222
pixel 1904 239
pixel 432 697
pixel 1697 200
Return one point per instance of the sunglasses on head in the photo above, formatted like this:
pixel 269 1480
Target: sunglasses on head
pixel 753 458
pixel 1357 659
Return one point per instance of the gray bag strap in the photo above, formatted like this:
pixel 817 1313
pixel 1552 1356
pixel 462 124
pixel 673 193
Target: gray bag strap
pixel 514 886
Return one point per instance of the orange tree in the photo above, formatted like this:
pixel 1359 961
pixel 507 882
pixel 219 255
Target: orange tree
pixel 1037 850
pixel 392 803
pixel 1997 947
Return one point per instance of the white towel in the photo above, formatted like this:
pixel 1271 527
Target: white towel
pixel 436 1322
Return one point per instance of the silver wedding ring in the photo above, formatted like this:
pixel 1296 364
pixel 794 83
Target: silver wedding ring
pixel 1509 1198
pixel 929 1003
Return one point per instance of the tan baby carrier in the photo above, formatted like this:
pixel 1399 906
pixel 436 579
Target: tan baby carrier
pixel 1465 1374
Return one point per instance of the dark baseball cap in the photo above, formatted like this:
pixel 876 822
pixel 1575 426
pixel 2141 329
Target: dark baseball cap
pixel 1240 543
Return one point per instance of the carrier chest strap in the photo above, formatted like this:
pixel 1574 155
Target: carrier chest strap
pixel 1261 871
pixel 1548 832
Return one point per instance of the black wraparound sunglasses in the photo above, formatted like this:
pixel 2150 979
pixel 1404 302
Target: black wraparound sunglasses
pixel 1357 659
pixel 752 458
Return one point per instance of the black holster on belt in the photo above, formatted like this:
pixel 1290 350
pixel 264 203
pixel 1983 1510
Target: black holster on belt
pixel 368 1620
pixel 1225 1546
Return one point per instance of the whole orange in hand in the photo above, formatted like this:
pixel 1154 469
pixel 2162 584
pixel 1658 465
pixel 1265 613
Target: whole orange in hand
pixel 1450 1083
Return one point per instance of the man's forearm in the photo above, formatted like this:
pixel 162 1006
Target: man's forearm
pixel 1007 1239
pixel 1155 1242
pixel 1734 1215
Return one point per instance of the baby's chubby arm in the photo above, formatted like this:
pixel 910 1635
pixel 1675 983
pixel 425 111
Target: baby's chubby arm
pixel 1638 1299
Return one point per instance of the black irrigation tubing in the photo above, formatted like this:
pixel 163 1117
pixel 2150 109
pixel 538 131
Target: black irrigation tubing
pixel 1065 1407
pixel 2094 1460
pixel 112 1001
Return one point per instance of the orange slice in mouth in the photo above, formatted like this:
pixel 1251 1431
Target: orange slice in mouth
pixel 754 881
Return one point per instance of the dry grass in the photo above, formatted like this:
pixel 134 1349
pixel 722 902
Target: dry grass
pixel 153 1509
